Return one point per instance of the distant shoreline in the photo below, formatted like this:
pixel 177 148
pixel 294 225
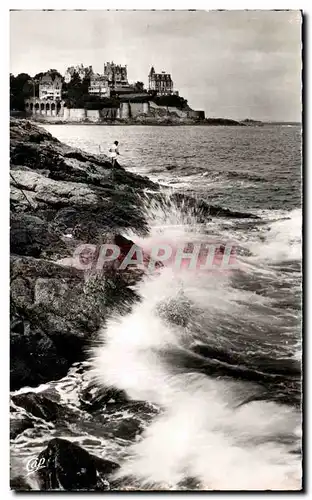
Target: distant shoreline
pixel 208 122
pixel 173 124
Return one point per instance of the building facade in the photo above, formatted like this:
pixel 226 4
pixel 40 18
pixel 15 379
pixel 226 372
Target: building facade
pixel 50 88
pixel 161 83
pixel 116 74
pixel 99 86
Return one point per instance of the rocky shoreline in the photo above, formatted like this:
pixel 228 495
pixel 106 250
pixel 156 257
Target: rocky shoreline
pixel 170 121
pixel 60 198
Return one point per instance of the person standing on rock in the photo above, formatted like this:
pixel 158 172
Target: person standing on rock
pixel 113 152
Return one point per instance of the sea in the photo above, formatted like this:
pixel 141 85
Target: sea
pixel 217 355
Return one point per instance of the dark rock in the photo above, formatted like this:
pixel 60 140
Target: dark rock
pixel 47 337
pixel 93 397
pixel 69 467
pixel 19 425
pixel 30 235
pixel 37 352
pixel 34 357
pixel 19 483
pixel 124 428
pixel 43 407
pixel 23 130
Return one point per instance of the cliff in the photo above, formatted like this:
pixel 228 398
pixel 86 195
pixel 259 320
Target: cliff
pixel 60 197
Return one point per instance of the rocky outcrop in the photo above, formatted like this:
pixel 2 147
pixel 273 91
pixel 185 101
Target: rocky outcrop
pixel 62 197
pixel 67 466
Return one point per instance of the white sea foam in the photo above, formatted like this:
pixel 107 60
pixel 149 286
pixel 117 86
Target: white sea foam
pixel 201 432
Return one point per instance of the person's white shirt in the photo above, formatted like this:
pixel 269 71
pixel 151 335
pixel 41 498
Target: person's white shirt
pixel 113 151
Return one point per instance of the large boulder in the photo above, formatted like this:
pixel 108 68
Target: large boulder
pixel 67 466
pixel 56 311
pixel 34 356
pixel 44 407
pixel 31 235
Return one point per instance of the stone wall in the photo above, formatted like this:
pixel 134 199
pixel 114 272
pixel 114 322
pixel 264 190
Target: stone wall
pixel 139 108
pixel 109 113
pixel 51 111
pixel 75 114
pixel 124 110
pixel 93 115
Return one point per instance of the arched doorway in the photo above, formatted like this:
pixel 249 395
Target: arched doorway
pixel 53 109
pixel 42 108
pixel 37 107
pixel 58 108
pixel 31 107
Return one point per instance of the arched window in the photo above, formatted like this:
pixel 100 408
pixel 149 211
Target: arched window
pixel 37 105
pixel 48 107
pixel 31 106
pixel 42 106
pixel 53 106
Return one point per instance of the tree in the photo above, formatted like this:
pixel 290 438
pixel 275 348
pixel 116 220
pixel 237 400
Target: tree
pixel 85 84
pixel 139 86
pixel 38 76
pixel 171 100
pixel 53 73
pixel 75 92
pixel 20 89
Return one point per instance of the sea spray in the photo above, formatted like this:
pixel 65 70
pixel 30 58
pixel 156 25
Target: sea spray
pixel 211 429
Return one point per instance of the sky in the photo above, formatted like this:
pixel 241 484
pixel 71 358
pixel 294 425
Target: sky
pixel 232 64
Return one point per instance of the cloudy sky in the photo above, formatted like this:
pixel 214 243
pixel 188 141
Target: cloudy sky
pixel 234 64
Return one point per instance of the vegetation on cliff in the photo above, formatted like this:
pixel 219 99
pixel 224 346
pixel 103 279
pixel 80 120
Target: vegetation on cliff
pixel 75 93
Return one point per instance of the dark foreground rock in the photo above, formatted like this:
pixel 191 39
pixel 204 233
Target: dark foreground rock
pixel 55 313
pixel 19 425
pixel 43 407
pixel 67 466
pixel 57 309
pixel 98 413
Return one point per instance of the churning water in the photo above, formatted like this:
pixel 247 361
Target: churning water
pixel 217 353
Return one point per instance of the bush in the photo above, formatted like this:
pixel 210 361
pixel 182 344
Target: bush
pixel 171 100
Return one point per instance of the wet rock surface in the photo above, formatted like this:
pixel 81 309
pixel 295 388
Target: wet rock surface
pixel 67 466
